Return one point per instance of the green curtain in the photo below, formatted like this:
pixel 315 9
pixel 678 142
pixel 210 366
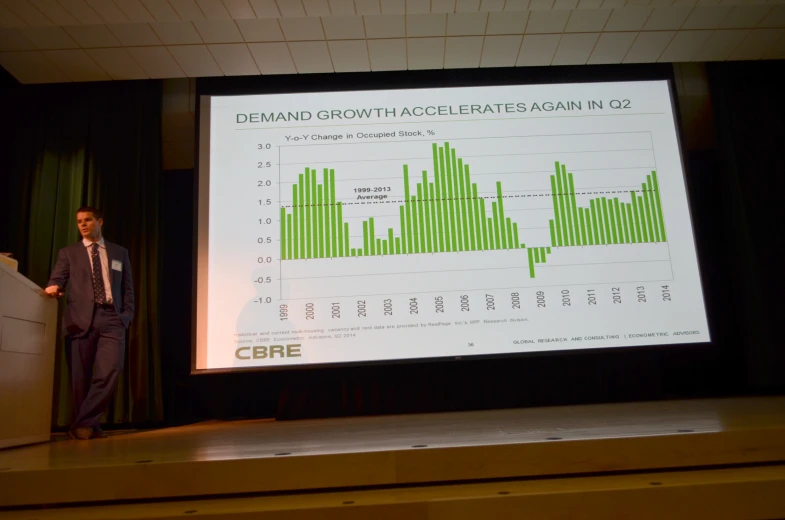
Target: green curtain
pixel 96 144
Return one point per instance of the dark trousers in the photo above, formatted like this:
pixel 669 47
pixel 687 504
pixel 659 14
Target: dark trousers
pixel 96 363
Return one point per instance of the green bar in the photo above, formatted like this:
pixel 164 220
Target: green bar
pixel 289 240
pixel 283 234
pixel 619 224
pixel 408 234
pixel 531 263
pixel 614 222
pixel 477 216
pixel 308 233
pixel 320 218
pixel 403 229
pixel 450 199
pixel 575 209
pixel 556 239
pixel 606 220
pixel 543 258
pixel 333 215
pixel 326 214
pixel 536 255
pixel 624 233
pixel 445 196
pixel 354 252
pixel 502 222
pixel 339 209
pixel 568 206
pixel 360 253
pixel 497 242
pixel 421 220
pixel 491 243
pixel 437 210
pixel 314 216
pixel 378 242
pixel 397 245
pixel 470 208
pixel 589 230
pixel 630 222
pixel 346 238
pixel 653 205
pixel 563 214
pixel 485 241
pixel 366 245
pixel 426 205
pixel 301 218
pixel 415 224
pixel 647 213
pixel 636 216
pixel 435 232
pixel 508 227
pixel 372 238
pixel 515 241
pixel 465 190
pixel 599 236
pixel 548 249
pixel 384 248
pixel 658 204
pixel 582 224
pixel 390 241
pixel 294 236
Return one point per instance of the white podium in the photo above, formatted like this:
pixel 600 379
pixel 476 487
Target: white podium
pixel 28 335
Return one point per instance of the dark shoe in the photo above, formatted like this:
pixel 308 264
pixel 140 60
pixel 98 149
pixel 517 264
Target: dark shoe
pixel 81 433
pixel 98 433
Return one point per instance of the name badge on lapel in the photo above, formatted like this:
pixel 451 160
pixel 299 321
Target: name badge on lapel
pixel 117 265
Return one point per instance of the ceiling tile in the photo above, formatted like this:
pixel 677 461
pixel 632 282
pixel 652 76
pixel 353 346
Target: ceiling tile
pixel 54 11
pixel 349 56
pixel 272 58
pixel 720 45
pixel 704 17
pixel 118 63
pixel 385 26
pixel 516 5
pixel 628 19
pixel 467 6
pixel 667 18
pixel 590 4
pixel 368 7
pixel 776 50
pixel 342 7
pixel 546 22
pixel 343 27
pixel 432 24
pixel 218 31
pixel 31 67
pixel 611 47
pixel 187 9
pixel 393 6
pixel 108 11
pixel 660 3
pixel 387 54
pixel 684 46
pixel 49 37
pixel 77 65
pixel 492 5
pixel 91 36
pixel 744 17
pixel 234 59
pixel 31 16
pixel 291 8
pixel 134 34
pixel 156 62
pixel 161 10
pixel 311 57
pixel 240 10
pixel 316 7
pixel 425 53
pixel 688 3
pixel 8 19
pixel 135 11
pixel 613 4
pixel 302 29
pixel 261 30
pixel 541 5
pixel 13 40
pixel 500 51
pixel 565 4
pixel 507 22
pixel 538 49
pixel 575 49
pixel 195 60
pixel 755 44
pixel 214 9
pixel 265 8
pixel 587 20
pixel 418 6
pixel 82 12
pixel 466 24
pixel 648 46
pixel 463 52
pixel 775 18
pixel 442 6
pixel 637 3
pixel 177 33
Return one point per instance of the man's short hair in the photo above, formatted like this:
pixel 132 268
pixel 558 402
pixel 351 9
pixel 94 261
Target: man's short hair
pixel 89 209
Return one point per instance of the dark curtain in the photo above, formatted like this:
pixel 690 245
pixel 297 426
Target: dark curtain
pixel 96 144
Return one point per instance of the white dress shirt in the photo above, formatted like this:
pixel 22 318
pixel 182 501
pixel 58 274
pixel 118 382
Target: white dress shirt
pixel 104 264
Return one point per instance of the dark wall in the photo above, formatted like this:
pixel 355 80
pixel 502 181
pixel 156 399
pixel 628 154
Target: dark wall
pixel 732 365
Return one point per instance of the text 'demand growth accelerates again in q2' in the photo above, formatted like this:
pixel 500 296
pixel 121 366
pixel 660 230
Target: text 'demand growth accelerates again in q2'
pixel 405 224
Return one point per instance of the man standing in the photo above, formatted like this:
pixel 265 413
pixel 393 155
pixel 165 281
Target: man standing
pixel 100 306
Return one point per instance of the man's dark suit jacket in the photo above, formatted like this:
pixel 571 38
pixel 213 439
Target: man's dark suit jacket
pixel 73 267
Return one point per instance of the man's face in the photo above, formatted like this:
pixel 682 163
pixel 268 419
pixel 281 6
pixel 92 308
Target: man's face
pixel 89 226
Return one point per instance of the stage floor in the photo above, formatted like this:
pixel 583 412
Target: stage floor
pixel 264 456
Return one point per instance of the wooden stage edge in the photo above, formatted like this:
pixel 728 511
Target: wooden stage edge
pixel 343 456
